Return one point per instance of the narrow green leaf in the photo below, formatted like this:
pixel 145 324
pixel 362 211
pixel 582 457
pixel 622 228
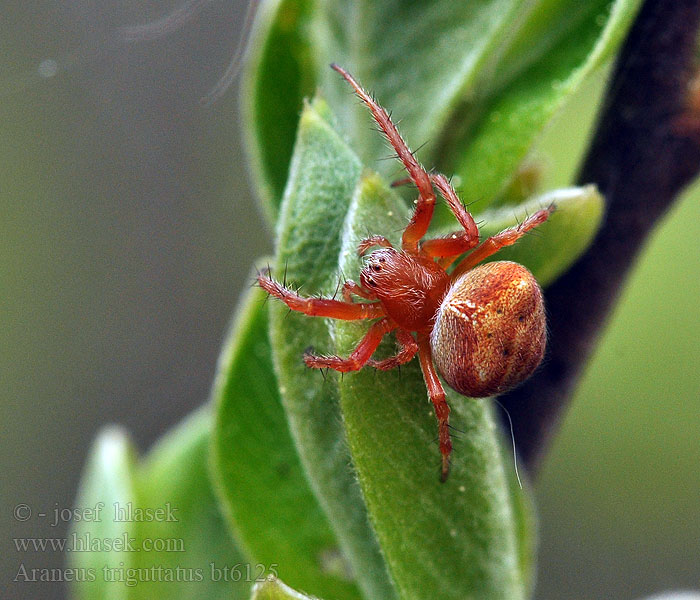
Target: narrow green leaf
pixel 524 515
pixel 281 55
pixel 477 81
pixel 260 480
pixel 453 540
pixel 323 174
pixel 161 519
pixel 274 589
pixel 189 553
pixel 514 116
pixel 107 483
pixel 555 245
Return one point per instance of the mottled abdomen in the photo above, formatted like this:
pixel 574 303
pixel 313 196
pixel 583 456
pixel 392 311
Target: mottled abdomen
pixel 490 331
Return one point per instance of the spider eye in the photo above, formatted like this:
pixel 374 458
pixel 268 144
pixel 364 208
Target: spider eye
pixel 377 268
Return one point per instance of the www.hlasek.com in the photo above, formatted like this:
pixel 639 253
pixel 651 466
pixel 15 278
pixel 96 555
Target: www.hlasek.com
pixel 132 576
pixel 89 543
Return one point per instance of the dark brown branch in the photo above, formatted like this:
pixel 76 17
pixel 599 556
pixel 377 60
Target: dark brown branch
pixel 645 151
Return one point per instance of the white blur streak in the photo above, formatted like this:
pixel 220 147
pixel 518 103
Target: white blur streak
pixel 129 34
pixel 512 437
pixel 163 26
pixel 236 62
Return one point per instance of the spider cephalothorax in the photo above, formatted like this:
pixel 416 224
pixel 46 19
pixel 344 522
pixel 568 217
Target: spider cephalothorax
pixel 410 287
pixel 483 327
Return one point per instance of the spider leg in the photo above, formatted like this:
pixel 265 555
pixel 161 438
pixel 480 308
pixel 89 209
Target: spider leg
pixel 460 241
pixel 408 350
pixel 359 356
pixel 320 307
pixel 350 287
pixel 402 181
pixel 437 397
pixel 425 205
pixel 374 240
pixel 506 237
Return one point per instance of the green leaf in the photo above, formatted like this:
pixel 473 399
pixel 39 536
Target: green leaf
pixel 323 175
pixel 196 557
pixel 108 481
pixel 554 246
pixel 477 81
pixel 260 480
pixel 280 53
pixel 514 116
pixel 163 513
pixel 274 589
pixel 525 519
pixel 459 539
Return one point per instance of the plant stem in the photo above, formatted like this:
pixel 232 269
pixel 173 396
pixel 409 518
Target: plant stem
pixel 645 151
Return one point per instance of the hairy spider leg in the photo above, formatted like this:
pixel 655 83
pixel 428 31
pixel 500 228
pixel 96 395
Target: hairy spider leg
pixel 449 247
pixel 408 349
pixel 320 307
pixel 437 396
pixel 506 237
pixel 418 225
pixel 372 240
pixel 360 356
pixel 350 287
pixel 400 182
pixel 460 241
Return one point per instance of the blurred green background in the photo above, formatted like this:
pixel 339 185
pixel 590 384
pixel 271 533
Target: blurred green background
pixel 128 230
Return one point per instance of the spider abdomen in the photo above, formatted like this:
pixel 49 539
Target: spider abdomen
pixel 490 330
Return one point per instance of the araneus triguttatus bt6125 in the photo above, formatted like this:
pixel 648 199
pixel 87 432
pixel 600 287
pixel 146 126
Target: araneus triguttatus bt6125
pixel 481 327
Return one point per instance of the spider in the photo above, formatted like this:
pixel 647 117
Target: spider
pixel 482 327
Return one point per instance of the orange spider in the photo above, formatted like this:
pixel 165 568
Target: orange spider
pixel 483 327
